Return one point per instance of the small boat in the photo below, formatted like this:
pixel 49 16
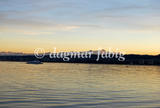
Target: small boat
pixel 34 62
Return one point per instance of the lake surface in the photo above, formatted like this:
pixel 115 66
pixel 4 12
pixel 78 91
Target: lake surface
pixel 63 85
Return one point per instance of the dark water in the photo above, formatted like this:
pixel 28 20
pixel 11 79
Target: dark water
pixel 78 85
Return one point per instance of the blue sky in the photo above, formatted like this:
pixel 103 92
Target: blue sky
pixel 130 25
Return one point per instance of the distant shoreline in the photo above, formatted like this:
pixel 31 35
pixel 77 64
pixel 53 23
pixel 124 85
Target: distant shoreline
pixel 129 59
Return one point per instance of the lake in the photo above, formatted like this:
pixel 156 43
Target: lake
pixel 69 85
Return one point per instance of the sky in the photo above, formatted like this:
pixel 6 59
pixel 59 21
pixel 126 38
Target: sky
pixel 132 26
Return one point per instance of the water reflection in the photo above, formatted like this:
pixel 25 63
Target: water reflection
pixel 78 85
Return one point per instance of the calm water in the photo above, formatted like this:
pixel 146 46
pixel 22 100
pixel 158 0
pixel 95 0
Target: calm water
pixel 78 85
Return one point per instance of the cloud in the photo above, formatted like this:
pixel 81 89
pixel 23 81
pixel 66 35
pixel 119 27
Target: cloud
pixel 38 31
pixel 51 15
pixel 32 26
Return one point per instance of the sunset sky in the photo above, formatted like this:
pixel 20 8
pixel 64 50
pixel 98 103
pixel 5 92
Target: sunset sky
pixel 132 26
